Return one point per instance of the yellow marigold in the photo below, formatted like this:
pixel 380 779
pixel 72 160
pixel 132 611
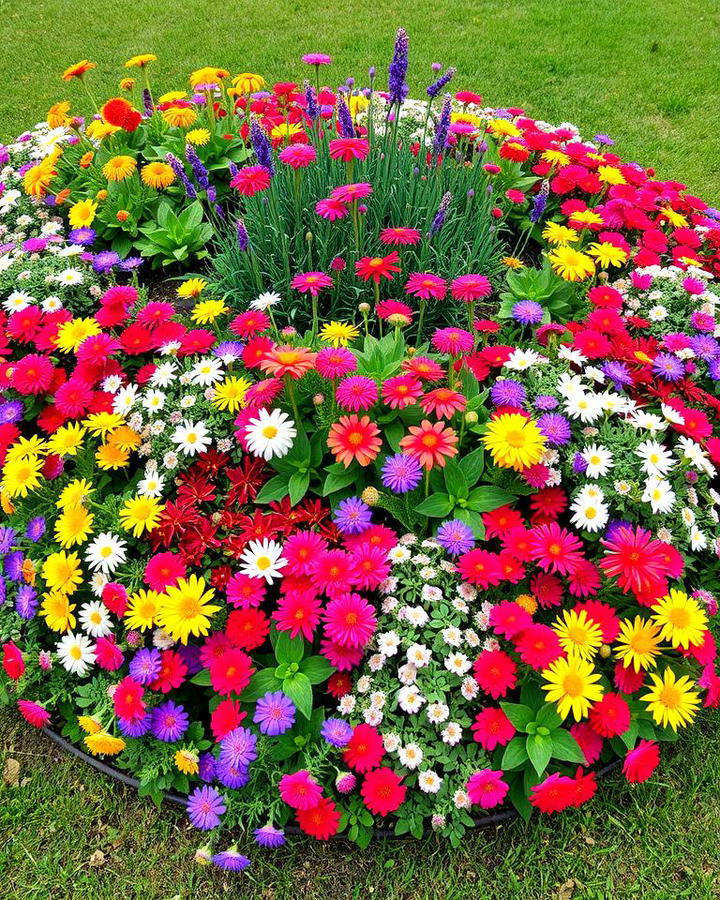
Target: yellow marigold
pixel 179 116
pixel 57 610
pixel 37 180
pixel 117 168
pixel 73 526
pixel 110 457
pixel 157 175
pixel 78 69
pixel 357 103
pixel 512 262
pixel 187 761
pixel 198 136
pixel 124 437
pixel 140 61
pixel 248 82
pixel 206 311
pixel 140 514
pixel 100 424
pixel 208 75
pixel 103 744
pixel 82 214
pixel 89 725
pixel 57 116
pixel 20 476
pixel 193 287
pixel 71 334
pixel 61 572
pixel 171 96
pixel 570 264
pixel 126 84
pixel 527 602
pixel 97 129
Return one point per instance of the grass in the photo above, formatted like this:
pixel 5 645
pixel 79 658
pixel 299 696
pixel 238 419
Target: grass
pixel 656 841
pixel 645 73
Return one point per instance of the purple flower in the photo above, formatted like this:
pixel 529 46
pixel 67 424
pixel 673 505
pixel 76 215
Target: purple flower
pixel 180 173
pixel 714 369
pixel 269 836
pixel 401 473
pixel 352 516
pixel 507 392
pixel 34 245
pixel 3 591
pixel 82 236
pixel 234 777
pixel 347 129
pixel 274 713
pixel 261 146
pixel 169 722
pixel 617 372
pixel 579 464
pixel 238 748
pixel 528 312
pixel 26 602
pixel 613 528
pixel 456 537
pixel 199 170
pixel 134 728
pixel 397 88
pixel 7 538
pixel 668 367
pixel 540 202
pixel 443 127
pixel 205 806
pixel 13 565
pixel 705 346
pixel 232 349
pixel 546 402
pixel 11 411
pixel 231 860
pixel 243 238
pixel 441 214
pixel 105 261
pixel 556 429
pixel 206 767
pixel 148 106
pixel 35 528
pixel 145 665
pixel 311 107
pixel 434 89
pixel 604 139
pixel 190 654
pixel 336 732
pixel 130 263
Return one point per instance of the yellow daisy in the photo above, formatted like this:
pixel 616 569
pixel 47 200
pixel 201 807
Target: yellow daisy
pixel 67 440
pixel 142 610
pixel 118 168
pixel 103 744
pixel 339 334
pixel 554 233
pixel 578 634
pixel 572 685
pixel 157 175
pixel 73 526
pixel 638 643
pixel 61 572
pixel 514 441
pixel 193 287
pixel 186 609
pixel 74 494
pixel 606 254
pixel 198 136
pixel 682 620
pixel 57 610
pixel 71 334
pixel 230 394
pixel 140 514
pixel 671 700
pixel 140 60
pixel 179 116
pixel 102 423
pixel 207 311
pixel 110 457
pixel 248 82
pixel 20 476
pixel 571 264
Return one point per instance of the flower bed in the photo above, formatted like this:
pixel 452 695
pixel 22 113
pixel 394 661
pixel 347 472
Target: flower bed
pixel 401 509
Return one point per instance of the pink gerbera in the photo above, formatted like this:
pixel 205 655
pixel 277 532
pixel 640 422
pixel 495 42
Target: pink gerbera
pixel 335 362
pixel 486 788
pixel 251 180
pixel 347 149
pixel 401 391
pixel 426 286
pixel 538 646
pixel 34 713
pixel 356 393
pixel 311 282
pixel 299 613
pixel 399 237
pixel 424 368
pixel 508 618
pixel 394 311
pixel 331 209
pixel 331 572
pixel 249 323
pixel 469 288
pixel 370 565
pixel 480 567
pixel 244 592
pixel 350 620
pixel 340 657
pixel 554 548
pixel 300 790
pixel 453 341
pixel 163 570
pixel 351 193
pixel 298 156
pixel 300 550
pixel 492 728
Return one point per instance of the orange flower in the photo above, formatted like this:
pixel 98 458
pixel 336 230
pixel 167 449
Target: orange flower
pixel 57 116
pixel 430 444
pixel 78 70
pixel 122 215
pixel 86 159
pixel 62 196
pixel 353 438
pixel 294 361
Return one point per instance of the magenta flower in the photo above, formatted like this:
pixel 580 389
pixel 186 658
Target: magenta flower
pixel 300 790
pixel 426 286
pixel 470 287
pixel 350 193
pixel 356 393
pixel 486 788
pixel 317 59
pixel 331 209
pixel 298 156
pixel 311 282
pixel 453 341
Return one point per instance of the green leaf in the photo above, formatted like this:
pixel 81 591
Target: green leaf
pixel 518 714
pixel 487 497
pixel 515 754
pixel 298 484
pixel 539 750
pixel 473 465
pixel 337 479
pixel 289 649
pixel 436 506
pixel 566 748
pixel 317 669
pixel 261 682
pixel 299 690
pixel 519 799
pixel 548 716
pixel 275 489
pixel 455 480
pixel 202 678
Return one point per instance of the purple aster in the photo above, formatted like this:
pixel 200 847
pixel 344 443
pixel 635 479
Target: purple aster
pixel 238 747
pixel 234 777
pixel 269 836
pixel 714 369
pixel 105 261
pixel 352 516
pixel 7 538
pixel 134 728
pixel 169 722
pixel 34 245
pixel 617 372
pixel 401 473
pixel 507 392
pixel 205 806
pixel 274 713
pixel 3 591
pixel 528 312
pixel 705 346
pixel 130 263
pixel 317 59
pixel 35 528
pixel 546 402
pixel 336 732
pixel 232 349
pixel 145 665
pixel 11 411
pixel 26 602
pixel 82 236
pixel 668 367
pixel 604 139
pixel 556 429
pixel 190 654
pixel 456 537
pixel 206 767
pixel 579 463
pixel 231 860
pixel 13 565
pixel 613 528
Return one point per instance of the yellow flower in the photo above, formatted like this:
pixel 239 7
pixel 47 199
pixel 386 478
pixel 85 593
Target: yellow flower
pixel 57 116
pixel 97 129
pixel 514 441
pixel 157 175
pixel 572 685
pixel 198 136
pixel 71 334
pixel 21 476
pixel 208 75
pixel 67 440
pixel 248 83
pixel 140 514
pixel 638 643
pixel 207 311
pixel 339 334
pixel 285 130
pixel 100 424
pixel 611 175
pixel 142 609
pixel 607 254
pixel 559 234
pixel 140 61
pixel 25 448
pixel 193 287
pixel 503 128
pixel 512 262
pixel 110 457
pixel 186 609
pixel 171 96
pixel 556 158
pixel 89 725
pixel 7 505
pixel 230 394
pixel 674 218
pixel 103 744
pixel 118 168
pixel 587 217
pixel 74 494
pixel 126 84
pixel 357 103
pixel 671 700
pixel 73 526
pixel 527 602
pixel 570 264
pixel 37 179
pixel 579 635
pixel 682 620
pixel 179 116
pixel 82 214
pixel 57 610
pixel 61 572
pixel 187 761
pixel 125 438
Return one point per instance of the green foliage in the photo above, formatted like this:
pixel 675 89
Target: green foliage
pixel 175 238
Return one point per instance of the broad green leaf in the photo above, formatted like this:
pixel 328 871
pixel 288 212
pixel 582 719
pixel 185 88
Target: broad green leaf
pixel 539 750
pixel 337 480
pixel 548 716
pixel 317 669
pixel 518 714
pixel 299 690
pixel 289 649
pixel 487 497
pixel 566 748
pixel 515 754
pixel 275 489
pixel 202 678
pixel 455 480
pixel 436 506
pixel 298 484
pixel 473 465
pixel 261 682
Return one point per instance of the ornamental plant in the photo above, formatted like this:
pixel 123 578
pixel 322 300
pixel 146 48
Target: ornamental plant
pixel 403 509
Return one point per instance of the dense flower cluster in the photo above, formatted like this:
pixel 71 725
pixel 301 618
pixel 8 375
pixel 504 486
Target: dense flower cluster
pixel 381 518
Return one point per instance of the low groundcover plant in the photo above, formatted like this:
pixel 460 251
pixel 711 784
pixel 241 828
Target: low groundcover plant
pixel 398 510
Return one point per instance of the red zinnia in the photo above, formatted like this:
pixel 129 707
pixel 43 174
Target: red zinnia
pixel 610 716
pixel 251 180
pixel 230 673
pixel 480 567
pixel 247 628
pixel 377 267
pixel 492 728
pixel 495 672
pixel 321 821
pixel 641 762
pixel 636 560
pixel 383 791
pixel 365 749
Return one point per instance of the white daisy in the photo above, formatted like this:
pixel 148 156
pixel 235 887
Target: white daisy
pixel 410 700
pixel 656 459
pixel 451 734
pixel 437 712
pixel 458 663
pixel 599 460
pixel 192 437
pixel 429 782
pixel 589 515
pixel 265 301
pixel 76 653
pixel 125 399
pixel 410 756
pixel 106 552
pixel 17 301
pixel 419 655
pixel 347 704
pixel 391 742
pixel 263 559
pixel 51 304
pixel 112 384
pixel 270 434
pixel 153 401
pixel 206 372
pixel 388 643
pixel 659 494
pixel 399 554
pixel 70 277
pixel 164 375
pixel 95 619
pixel 151 485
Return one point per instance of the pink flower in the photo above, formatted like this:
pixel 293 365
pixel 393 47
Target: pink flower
pixel 34 713
pixel 641 762
pixel 317 59
pixel 426 286
pixel 356 393
pixel 298 156
pixel 341 658
pixel 515 196
pixel 331 209
pixel 311 282
pixel 350 620
pixel 486 788
pixel 251 180
pixel 453 341
pixel 164 570
pixel 300 790
pixel 300 550
pixel 244 592
pixel 349 148
pixel 351 193
pixel 335 362
pixel 398 237
pixel 401 391
pixel 470 287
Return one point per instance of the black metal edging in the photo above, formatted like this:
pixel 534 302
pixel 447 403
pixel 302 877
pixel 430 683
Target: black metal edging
pixel 115 773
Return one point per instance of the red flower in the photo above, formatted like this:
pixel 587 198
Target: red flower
pixel 426 286
pixel 33 374
pixel 610 716
pixel 128 700
pixel 172 672
pixel 13 661
pixel 350 620
pixel 377 267
pixel 383 791
pixel 298 612
pixel 495 672
pixel 554 794
pixel 538 646
pixel 508 618
pixel 339 684
pixel 365 749
pixel 247 628
pixel 321 821
pixel 107 654
pixel 225 717
pixel 492 728
pixel 641 762
pixel 588 740
pixel 34 713
pixel 230 673
pixel 250 180
pixel 480 567
pixel 638 562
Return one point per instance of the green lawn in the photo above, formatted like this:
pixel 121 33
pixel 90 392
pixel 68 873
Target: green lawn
pixel 656 841
pixel 647 73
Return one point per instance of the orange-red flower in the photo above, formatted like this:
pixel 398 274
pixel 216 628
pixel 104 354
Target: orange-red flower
pixel 430 444
pixel 377 267
pixel 78 70
pixel 294 361
pixel 354 438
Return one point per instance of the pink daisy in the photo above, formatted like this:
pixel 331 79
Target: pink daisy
pixel 426 286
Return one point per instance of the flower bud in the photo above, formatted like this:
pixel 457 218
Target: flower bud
pixel 370 496
pixel 471 418
pixel 345 782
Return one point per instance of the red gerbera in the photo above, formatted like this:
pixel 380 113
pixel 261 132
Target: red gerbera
pixel 479 567
pixel 398 237
pixel 383 791
pixel 225 717
pixel 247 628
pixel 508 618
pixel 128 700
pixel 231 671
pixel 250 180
pixel 321 821
pixel 426 286
pixel 492 728
pixel 365 749
pixel 610 716
pixel 588 740
pixel 538 646
pixel 636 560
pixel 554 548
pixel 495 672
pixel 641 761
pixel 172 672
pixel 378 267
pixel 554 794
